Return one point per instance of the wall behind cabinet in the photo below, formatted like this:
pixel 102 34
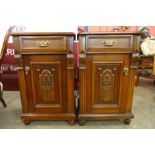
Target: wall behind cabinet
pixel 110 28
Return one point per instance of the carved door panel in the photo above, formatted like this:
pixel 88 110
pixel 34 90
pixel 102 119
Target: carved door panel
pixel 107 83
pixel 45 86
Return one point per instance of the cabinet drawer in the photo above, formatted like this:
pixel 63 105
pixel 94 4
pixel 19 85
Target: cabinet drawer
pixel 109 43
pixel 42 43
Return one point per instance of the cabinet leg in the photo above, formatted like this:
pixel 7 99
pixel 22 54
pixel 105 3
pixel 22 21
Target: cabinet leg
pixel 82 122
pixel 71 122
pixel 27 122
pixel 127 121
pixel 137 80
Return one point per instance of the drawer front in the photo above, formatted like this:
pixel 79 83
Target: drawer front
pixel 42 43
pixel 112 43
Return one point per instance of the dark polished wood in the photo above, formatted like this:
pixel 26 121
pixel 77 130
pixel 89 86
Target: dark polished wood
pixel 55 44
pixel 71 122
pixel 45 63
pixel 127 121
pixel 107 70
pixel 95 43
pixel 81 122
pixel 110 33
pixel 27 122
pixel 43 34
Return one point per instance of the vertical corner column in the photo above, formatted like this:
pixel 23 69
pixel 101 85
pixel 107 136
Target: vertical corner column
pixel 82 74
pixel 70 73
pixel 133 73
pixel 21 76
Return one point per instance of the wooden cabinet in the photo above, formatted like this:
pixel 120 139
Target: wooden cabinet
pixel 107 69
pixel 45 63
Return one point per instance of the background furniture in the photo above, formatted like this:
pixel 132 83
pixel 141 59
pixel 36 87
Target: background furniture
pixel 154 65
pixel 107 68
pixel 146 68
pixel 45 63
pixel 3 49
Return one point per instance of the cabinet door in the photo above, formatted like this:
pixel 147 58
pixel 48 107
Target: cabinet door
pixel 46 82
pixel 106 82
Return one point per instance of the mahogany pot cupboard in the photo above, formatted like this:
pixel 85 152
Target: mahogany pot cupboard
pixel 45 63
pixel 107 71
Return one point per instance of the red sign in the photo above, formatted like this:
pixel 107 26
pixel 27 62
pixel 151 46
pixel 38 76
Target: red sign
pixel 9 72
pixel 8 68
pixel 9 61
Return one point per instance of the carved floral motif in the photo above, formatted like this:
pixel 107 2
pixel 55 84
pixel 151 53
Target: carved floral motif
pixel 107 77
pixel 47 85
pixel 46 79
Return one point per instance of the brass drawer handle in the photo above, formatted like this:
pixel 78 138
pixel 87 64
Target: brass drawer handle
pixel 126 71
pixel 42 43
pixel 82 55
pixel 70 55
pixel 109 42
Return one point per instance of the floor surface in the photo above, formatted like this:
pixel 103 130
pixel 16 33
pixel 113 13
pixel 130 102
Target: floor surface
pixel 143 109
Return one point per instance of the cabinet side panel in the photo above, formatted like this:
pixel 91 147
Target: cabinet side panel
pixel 131 84
pixel 22 88
pixel 133 72
pixel 21 76
pixel 70 73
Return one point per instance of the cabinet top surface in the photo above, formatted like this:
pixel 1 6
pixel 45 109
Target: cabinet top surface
pixel 43 34
pixel 110 33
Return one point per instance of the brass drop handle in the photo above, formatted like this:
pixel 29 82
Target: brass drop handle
pixel 42 43
pixel 126 71
pixel 109 42
pixel 82 55
pixel 27 69
pixel 70 55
